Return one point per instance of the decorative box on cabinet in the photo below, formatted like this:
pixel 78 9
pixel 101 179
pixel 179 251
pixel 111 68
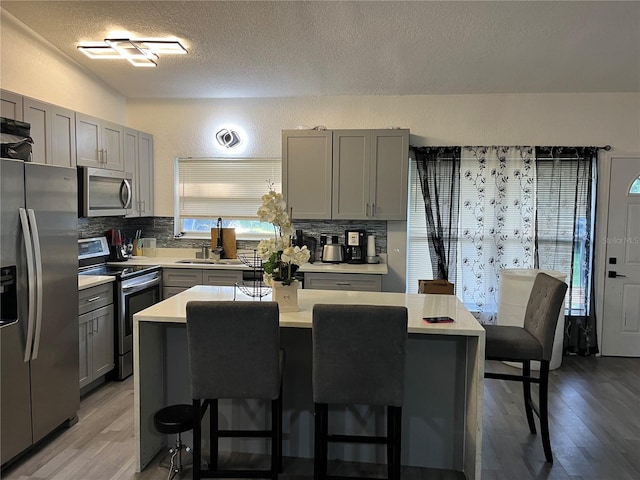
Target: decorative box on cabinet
pixel 96 323
pixel 138 159
pixel 343 281
pixel 99 143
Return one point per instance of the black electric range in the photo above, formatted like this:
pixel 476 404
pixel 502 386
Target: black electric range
pixel 120 272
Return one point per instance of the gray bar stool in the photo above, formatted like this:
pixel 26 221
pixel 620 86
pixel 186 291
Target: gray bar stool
pixel 533 341
pixel 358 359
pixel 234 353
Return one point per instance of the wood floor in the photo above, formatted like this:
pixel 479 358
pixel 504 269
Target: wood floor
pixel 595 433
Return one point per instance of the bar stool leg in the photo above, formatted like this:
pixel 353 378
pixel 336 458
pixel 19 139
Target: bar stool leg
pixel 320 441
pixel 213 434
pixel 197 439
pixel 526 390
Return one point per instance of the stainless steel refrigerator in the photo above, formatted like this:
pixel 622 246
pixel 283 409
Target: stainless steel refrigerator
pixel 39 385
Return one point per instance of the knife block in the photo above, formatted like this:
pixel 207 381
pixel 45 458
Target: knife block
pixel 228 241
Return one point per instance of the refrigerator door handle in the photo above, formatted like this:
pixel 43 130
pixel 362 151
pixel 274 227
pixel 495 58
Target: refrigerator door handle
pixel 38 261
pixel 31 277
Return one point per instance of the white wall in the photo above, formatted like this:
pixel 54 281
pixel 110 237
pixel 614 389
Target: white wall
pixel 32 67
pixel 188 127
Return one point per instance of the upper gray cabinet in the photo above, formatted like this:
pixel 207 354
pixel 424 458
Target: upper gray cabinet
pixel 53 131
pixel 368 172
pixel 306 172
pixel 138 158
pixel 10 105
pixel 99 143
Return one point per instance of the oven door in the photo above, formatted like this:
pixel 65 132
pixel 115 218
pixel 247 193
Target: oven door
pixel 136 294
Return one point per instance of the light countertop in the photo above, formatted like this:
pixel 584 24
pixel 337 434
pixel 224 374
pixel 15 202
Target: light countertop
pixel 234 264
pixel 88 281
pixel 173 309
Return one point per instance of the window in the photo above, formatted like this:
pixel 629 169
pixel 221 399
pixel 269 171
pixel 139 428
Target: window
pixel 515 213
pixel 635 187
pixel 229 188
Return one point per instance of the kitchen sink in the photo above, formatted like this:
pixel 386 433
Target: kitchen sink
pixel 209 261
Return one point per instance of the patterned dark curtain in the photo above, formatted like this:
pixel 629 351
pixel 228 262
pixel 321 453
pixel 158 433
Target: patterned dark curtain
pixel 565 204
pixel 439 171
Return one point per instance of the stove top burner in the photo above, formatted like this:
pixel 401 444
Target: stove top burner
pixel 120 272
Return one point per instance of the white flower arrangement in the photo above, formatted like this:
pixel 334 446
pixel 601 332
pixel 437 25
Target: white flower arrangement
pixel 280 259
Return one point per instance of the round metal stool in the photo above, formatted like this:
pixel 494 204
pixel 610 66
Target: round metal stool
pixel 174 420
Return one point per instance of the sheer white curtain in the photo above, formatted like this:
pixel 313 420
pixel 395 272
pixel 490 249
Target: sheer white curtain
pixel 497 221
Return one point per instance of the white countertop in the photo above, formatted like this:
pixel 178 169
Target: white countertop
pixel 88 281
pixel 173 309
pixel 316 267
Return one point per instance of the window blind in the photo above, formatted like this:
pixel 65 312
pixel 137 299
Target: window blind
pixel 225 187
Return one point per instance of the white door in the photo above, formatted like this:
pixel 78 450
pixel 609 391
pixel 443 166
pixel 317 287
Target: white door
pixel 621 319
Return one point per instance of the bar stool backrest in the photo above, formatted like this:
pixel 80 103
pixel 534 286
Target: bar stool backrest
pixel 359 354
pixel 234 349
pixel 543 308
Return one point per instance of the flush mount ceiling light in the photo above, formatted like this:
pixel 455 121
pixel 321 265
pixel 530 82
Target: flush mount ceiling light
pixel 139 53
pixel 228 138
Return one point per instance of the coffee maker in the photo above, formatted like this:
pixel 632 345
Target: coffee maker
pixel 355 246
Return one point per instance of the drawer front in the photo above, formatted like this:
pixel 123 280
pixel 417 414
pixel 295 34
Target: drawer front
pixel 221 277
pixel 340 281
pixel 181 277
pixel 95 297
pixel 171 291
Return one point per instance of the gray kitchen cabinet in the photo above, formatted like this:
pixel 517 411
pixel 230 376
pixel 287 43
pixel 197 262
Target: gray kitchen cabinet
pixel 343 281
pixel 138 159
pixel 53 132
pixel 176 280
pixel 370 174
pixel 63 137
pixel 221 277
pixel 346 174
pixel 96 324
pixel 306 172
pixel 99 143
pixel 10 105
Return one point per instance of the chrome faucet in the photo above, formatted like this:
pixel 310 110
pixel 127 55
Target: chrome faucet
pixel 219 251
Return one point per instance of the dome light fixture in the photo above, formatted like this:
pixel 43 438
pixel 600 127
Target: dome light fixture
pixel 228 138
pixel 138 52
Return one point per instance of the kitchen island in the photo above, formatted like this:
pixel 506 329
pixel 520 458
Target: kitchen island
pixel 442 412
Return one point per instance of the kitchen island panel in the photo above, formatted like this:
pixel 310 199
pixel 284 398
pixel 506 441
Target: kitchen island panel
pixel 443 397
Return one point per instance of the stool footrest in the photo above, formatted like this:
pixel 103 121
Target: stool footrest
pixel 245 433
pixel 236 474
pixel 357 439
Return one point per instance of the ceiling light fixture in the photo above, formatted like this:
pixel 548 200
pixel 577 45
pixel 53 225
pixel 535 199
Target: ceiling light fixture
pixel 228 138
pixel 139 53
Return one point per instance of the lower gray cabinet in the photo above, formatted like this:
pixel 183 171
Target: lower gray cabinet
pixel 176 280
pixel 343 281
pixel 96 334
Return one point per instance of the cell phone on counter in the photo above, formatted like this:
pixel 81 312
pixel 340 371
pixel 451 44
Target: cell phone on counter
pixel 438 319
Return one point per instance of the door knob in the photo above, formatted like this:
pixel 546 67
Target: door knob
pixel 613 274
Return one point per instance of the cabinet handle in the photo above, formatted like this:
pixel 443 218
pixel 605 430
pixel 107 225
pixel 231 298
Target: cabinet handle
pixel 343 283
pixel 89 300
pixel 106 158
pixel 95 327
pixel 367 213
pixel 373 209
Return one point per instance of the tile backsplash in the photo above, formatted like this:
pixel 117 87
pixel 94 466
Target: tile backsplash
pixel 161 228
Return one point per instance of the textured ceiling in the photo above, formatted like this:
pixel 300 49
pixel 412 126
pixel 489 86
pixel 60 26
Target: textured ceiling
pixel 279 48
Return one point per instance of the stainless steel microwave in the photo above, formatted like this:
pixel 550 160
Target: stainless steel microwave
pixel 103 193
